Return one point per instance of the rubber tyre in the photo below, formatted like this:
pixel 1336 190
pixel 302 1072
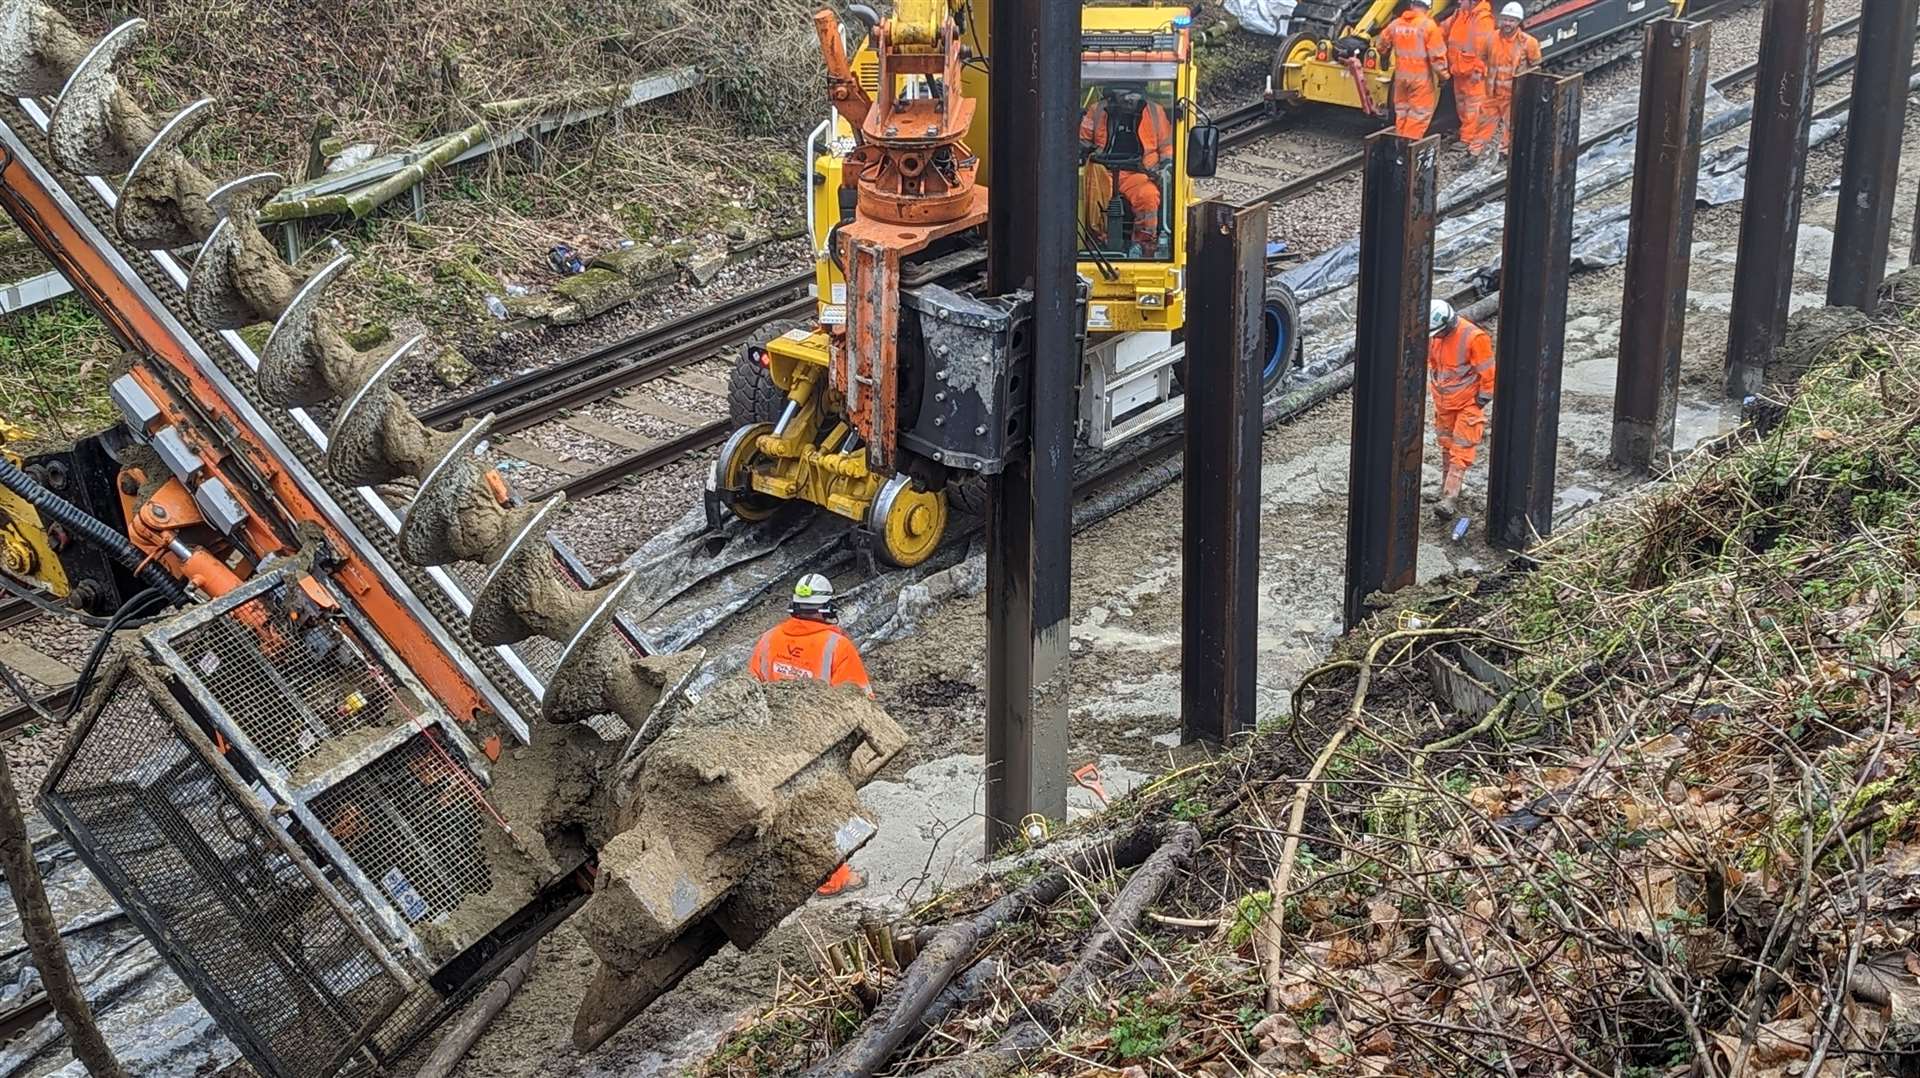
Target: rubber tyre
pixel 751 395
pixel 1281 349
pixel 969 496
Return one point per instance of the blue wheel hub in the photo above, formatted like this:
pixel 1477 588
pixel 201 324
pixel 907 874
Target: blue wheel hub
pixel 1277 335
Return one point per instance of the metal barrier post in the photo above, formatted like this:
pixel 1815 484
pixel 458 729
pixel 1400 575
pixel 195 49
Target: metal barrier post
pixel 1666 168
pixel 1390 367
pixel 1220 540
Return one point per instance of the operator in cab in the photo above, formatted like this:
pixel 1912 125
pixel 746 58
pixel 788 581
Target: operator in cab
pixel 811 645
pixel 1126 140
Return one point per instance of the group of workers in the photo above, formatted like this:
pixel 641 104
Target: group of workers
pixel 1479 55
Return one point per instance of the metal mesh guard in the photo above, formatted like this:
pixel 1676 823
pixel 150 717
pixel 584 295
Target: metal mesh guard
pixel 178 840
pixel 414 821
pixel 314 685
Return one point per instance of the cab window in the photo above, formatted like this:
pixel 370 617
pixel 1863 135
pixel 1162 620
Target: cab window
pixel 1128 149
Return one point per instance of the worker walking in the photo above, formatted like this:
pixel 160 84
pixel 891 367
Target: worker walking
pixel 1470 34
pixel 1513 52
pixel 1419 67
pixel 811 645
pixel 1133 136
pixel 1460 377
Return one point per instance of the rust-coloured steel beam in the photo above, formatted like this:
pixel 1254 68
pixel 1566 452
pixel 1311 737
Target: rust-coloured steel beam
pixel 1032 161
pixel 1666 166
pixel 1390 367
pixel 1870 174
pixel 1533 304
pixel 1776 169
pixel 1220 538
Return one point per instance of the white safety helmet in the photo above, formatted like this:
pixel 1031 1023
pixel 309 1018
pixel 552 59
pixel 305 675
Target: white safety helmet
pixel 812 592
pixel 1514 10
pixel 1441 317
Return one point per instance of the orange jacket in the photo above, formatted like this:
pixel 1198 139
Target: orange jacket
pixel 1417 46
pixel 1470 34
pixel 1460 364
pixel 1510 57
pixel 1156 132
pixel 803 648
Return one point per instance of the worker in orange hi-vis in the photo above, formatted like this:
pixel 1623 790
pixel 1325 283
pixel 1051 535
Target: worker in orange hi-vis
pixel 1419 67
pixel 1130 136
pixel 1514 53
pixel 1470 36
pixel 1460 377
pixel 810 645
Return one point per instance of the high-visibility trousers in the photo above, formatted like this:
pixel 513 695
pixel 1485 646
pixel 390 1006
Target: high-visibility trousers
pixel 1496 121
pixel 1470 100
pixel 1414 101
pixel 1459 424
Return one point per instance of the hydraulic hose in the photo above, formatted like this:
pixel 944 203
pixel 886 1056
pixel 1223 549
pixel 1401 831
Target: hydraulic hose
pixel 91 529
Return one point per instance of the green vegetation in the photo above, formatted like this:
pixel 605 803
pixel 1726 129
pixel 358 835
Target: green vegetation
pixel 59 359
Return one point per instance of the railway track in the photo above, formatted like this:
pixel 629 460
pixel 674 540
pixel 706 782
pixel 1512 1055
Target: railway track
pixel 611 373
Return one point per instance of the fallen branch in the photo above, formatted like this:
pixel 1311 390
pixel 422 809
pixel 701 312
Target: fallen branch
pixel 460 1039
pixel 953 948
pixel 1120 923
pixel 43 937
pixel 1272 932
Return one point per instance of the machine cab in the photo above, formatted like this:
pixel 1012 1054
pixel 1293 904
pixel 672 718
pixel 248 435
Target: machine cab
pixel 1139 147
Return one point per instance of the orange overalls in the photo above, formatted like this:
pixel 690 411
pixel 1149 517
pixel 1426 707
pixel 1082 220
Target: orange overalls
pixel 1459 373
pixel 1419 66
pixel 1470 34
pixel 803 648
pixel 816 651
pixel 1511 57
pixel 1142 192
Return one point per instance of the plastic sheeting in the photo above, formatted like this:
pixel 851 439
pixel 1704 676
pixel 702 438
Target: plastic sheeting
pixel 1262 16
pixel 148 1015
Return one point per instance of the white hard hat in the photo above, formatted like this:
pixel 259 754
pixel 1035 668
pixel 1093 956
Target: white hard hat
pixel 1514 10
pixel 812 590
pixel 1440 317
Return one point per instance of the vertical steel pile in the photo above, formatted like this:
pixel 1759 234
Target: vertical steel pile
pixel 1031 163
pixel 1533 304
pixel 1666 166
pixel 1220 538
pixel 1390 367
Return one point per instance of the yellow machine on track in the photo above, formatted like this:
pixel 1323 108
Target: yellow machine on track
pixel 1332 54
pixel 908 386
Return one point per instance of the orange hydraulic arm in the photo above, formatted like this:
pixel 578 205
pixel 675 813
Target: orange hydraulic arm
pixel 917 182
pixel 184 392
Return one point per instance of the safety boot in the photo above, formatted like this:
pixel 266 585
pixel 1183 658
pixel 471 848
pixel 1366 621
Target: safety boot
pixel 1449 503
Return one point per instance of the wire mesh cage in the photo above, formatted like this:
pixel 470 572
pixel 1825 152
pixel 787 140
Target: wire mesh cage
pixel 414 822
pixel 226 894
pixel 293 679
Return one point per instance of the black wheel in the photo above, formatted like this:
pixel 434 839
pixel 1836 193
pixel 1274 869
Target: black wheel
pixel 1280 346
pixel 969 496
pixel 751 395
